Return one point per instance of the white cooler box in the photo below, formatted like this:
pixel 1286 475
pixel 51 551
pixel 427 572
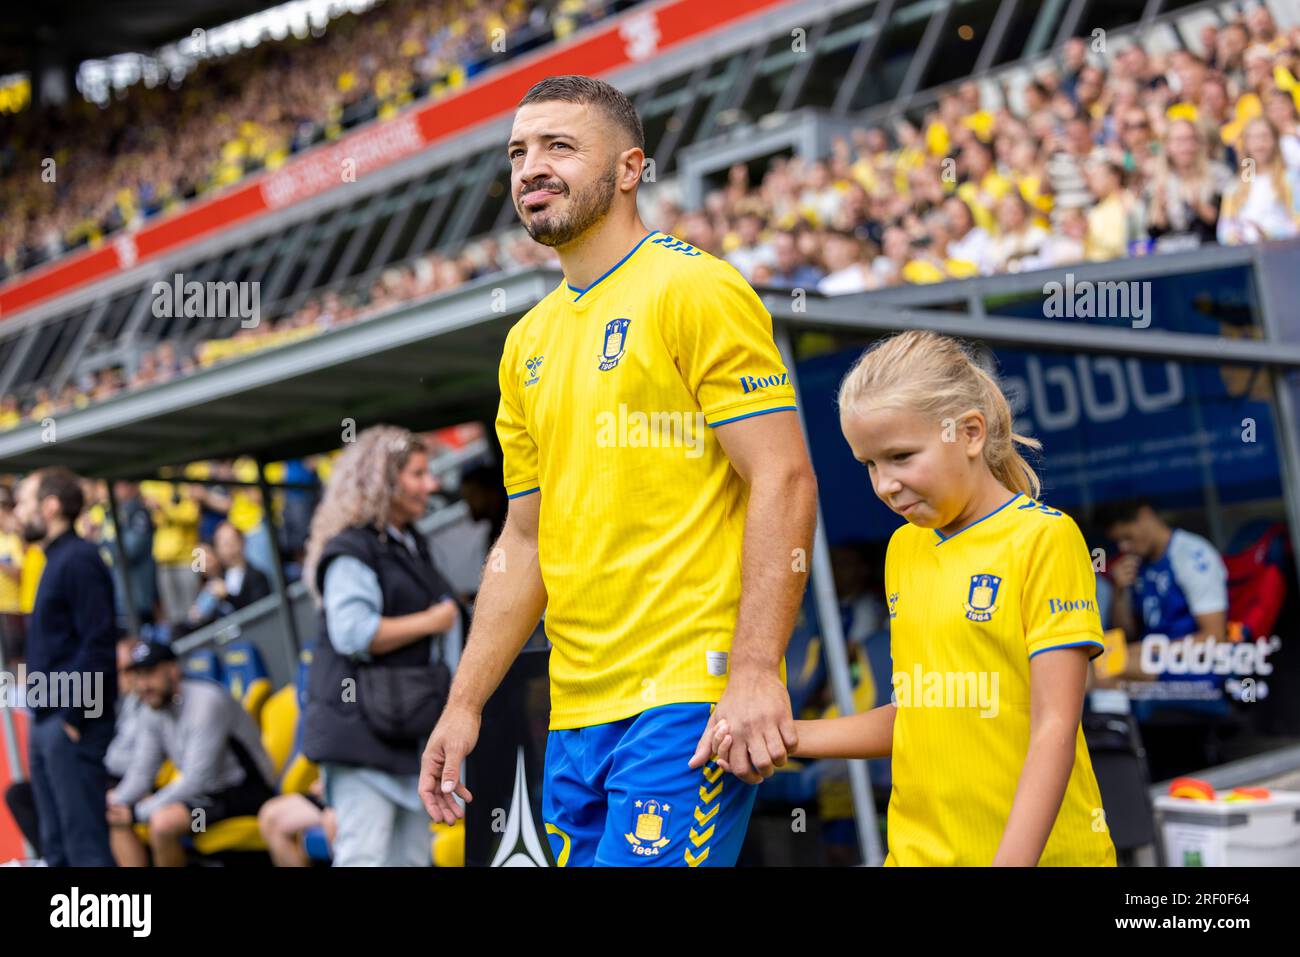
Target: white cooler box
pixel 1258 833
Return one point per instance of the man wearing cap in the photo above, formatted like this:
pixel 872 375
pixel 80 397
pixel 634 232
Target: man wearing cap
pixel 223 770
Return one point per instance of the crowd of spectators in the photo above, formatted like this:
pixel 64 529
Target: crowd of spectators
pixel 1099 161
pixel 1094 158
pixel 154 147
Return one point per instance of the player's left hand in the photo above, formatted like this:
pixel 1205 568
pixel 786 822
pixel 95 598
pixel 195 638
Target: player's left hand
pixel 755 713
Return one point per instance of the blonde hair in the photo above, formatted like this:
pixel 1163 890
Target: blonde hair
pixel 359 489
pixel 1275 169
pixel 937 377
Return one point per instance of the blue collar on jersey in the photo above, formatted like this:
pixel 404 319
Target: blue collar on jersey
pixel 583 292
pixel 948 538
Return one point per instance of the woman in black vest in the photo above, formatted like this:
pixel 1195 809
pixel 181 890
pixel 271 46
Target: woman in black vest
pixel 379 674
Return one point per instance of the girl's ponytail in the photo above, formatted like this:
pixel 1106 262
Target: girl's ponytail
pixel 936 376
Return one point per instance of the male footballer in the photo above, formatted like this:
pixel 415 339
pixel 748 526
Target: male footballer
pixel 661 508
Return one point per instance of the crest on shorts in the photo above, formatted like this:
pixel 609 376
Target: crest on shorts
pixel 649 824
pixel 615 343
pixel 981 600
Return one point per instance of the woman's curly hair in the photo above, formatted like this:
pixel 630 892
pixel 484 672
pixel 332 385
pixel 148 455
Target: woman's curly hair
pixel 359 489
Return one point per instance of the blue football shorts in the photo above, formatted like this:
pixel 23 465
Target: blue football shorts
pixel 621 794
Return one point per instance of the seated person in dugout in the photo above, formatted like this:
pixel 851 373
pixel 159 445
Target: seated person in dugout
pixel 222 769
pixel 285 819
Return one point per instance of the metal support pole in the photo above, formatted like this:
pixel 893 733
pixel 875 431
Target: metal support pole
pixel 277 568
pixel 119 562
pixel 920 62
pixel 798 77
pixel 1286 389
pixel 837 658
pixel 7 722
pixel 1278 286
pixel 1070 22
pixel 988 54
pixel 864 58
pixel 12 754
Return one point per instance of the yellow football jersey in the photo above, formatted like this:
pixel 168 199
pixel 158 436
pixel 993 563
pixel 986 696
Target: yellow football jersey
pixel 967 612
pixel 30 582
pixel 11 553
pixel 609 397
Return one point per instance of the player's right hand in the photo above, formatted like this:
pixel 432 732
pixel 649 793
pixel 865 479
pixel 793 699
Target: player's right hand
pixel 451 742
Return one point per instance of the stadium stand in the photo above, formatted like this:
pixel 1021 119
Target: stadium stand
pixel 155 147
pixel 1081 158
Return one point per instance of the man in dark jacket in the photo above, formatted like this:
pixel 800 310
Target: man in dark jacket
pixel 137 546
pixel 71 674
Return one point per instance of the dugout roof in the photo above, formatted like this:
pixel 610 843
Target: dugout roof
pixel 425 365
pixel 433 363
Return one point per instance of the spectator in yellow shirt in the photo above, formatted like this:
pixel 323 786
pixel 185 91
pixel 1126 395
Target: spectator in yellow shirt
pixel 33 565
pixel 12 632
pixel 984 185
pixel 247 513
pixel 10 415
pixel 1108 231
pixel 176 534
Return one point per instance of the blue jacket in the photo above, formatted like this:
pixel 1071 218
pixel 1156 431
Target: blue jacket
pixel 72 631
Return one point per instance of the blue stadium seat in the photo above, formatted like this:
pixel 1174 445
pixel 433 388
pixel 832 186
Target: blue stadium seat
pixel 315 844
pixel 246 676
pixel 203 663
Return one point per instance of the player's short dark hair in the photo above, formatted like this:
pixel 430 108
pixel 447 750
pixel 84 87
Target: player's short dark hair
pixel 1114 513
pixel 583 89
pixel 63 485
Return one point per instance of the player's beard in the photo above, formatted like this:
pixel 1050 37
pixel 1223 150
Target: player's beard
pixel 33 530
pixel 587 207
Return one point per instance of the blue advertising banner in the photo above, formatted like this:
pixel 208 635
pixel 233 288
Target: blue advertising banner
pixel 1111 428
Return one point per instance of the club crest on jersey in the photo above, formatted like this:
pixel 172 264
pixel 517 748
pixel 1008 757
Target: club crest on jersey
pixel 981 601
pixel 649 822
pixel 615 343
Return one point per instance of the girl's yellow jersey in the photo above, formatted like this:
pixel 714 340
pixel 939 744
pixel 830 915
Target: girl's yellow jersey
pixel 967 612
pixel 610 397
